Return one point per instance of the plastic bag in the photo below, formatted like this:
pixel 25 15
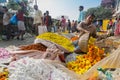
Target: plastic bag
pixel 83 42
pixel 111 61
pixel 13 19
pixel 42 29
pixel 71 57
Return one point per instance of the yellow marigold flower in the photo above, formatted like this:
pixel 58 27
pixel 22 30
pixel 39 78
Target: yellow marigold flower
pixel 58 39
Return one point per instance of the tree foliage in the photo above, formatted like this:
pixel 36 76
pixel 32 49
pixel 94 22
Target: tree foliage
pixel 12 5
pixel 24 5
pixel 100 12
pixel 108 3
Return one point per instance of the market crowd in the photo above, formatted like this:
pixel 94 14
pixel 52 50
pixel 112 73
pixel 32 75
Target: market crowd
pixel 79 52
pixel 41 23
pixel 44 23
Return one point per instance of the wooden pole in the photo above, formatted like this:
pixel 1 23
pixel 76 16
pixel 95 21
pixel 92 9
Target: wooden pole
pixel 35 2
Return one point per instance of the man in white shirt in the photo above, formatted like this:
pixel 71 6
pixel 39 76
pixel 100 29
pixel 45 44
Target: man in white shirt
pixel 6 22
pixel 37 18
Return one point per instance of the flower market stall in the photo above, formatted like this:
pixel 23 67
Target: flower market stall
pixel 45 59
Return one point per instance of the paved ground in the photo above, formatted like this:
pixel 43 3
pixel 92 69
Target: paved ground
pixel 28 40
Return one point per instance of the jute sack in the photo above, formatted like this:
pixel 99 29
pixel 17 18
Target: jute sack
pixel 83 42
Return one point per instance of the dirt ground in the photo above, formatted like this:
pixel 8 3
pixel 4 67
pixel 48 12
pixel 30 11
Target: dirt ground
pixel 28 40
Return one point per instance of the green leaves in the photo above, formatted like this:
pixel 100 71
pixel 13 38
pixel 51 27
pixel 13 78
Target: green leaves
pixel 24 5
pixel 100 12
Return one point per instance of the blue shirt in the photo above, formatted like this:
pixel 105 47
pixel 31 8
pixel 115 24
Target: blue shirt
pixel 81 16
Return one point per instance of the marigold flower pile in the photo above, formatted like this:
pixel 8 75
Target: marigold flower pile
pixel 4 74
pixel 86 61
pixel 58 39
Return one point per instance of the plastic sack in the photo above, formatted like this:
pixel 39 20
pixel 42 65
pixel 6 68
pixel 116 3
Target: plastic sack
pixel 40 69
pixel 108 74
pixel 42 29
pixel 4 56
pixel 83 42
pixel 13 19
pixel 71 57
pixel 112 61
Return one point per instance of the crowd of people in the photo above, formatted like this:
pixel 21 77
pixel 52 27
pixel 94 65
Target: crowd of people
pixel 114 26
pixel 61 25
pixel 45 21
pixel 39 20
pixel 9 32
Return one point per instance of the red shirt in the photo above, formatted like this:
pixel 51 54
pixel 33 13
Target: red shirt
pixel 47 20
pixel 20 16
pixel 63 20
pixel 110 23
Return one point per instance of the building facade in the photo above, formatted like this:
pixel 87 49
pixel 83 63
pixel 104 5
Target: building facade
pixel 117 6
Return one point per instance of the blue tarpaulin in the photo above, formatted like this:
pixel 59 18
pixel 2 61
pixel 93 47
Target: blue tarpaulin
pixel 2 1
